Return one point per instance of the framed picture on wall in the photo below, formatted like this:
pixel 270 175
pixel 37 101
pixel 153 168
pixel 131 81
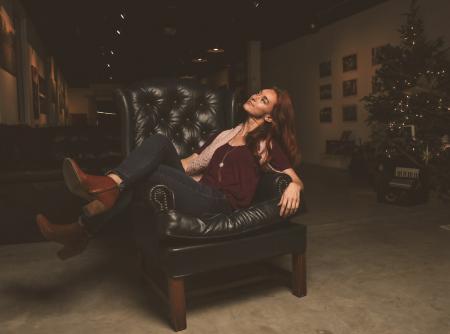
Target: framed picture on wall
pixel 7 42
pixel 325 69
pixel 377 54
pixel 349 113
pixel 325 115
pixel 325 92
pixel 376 86
pixel 35 91
pixel 350 63
pixel 349 87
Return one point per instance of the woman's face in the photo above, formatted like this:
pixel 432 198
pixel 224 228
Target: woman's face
pixel 261 104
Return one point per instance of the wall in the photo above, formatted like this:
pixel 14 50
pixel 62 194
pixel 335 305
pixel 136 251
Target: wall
pixel 81 101
pixel 8 98
pixel 30 51
pixel 294 66
pixel 8 84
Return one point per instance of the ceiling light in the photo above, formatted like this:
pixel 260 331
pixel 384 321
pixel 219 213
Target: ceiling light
pixel 199 60
pixel 216 50
pixel 122 16
pixel 257 3
pixel 108 65
pixel 112 52
pixel 118 32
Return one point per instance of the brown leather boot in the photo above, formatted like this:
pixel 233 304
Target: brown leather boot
pixel 73 237
pixel 101 191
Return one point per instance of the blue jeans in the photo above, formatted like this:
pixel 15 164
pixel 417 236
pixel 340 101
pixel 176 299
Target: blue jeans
pixel 156 161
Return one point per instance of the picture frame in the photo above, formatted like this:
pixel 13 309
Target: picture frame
pixel 349 87
pixel 7 43
pixel 325 115
pixel 325 92
pixel 35 92
pixel 350 63
pixel 350 113
pixel 376 55
pixel 325 69
pixel 376 87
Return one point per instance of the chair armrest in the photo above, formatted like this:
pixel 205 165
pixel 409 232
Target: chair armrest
pixel 260 215
pixel 271 185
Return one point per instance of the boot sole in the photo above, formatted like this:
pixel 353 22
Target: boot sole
pixel 73 180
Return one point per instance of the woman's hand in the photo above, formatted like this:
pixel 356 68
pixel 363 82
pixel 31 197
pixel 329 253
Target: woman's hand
pixel 290 200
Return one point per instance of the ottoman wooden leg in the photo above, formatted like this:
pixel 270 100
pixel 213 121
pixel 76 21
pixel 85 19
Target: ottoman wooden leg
pixel 299 274
pixel 177 303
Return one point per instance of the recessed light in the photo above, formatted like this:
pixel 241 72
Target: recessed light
pixel 257 3
pixel 199 60
pixel 216 50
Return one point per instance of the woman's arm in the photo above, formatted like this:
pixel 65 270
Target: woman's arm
pixel 291 172
pixel 186 161
pixel 290 200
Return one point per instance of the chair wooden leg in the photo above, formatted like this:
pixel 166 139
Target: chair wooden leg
pixel 177 303
pixel 299 274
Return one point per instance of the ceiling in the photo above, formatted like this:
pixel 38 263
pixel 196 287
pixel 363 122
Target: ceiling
pixel 161 37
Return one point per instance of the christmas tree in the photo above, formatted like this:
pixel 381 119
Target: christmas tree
pixel 413 92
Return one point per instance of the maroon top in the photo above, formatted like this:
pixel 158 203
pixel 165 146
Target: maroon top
pixel 240 172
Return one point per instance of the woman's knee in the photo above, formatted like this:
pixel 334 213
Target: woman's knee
pixel 162 174
pixel 158 140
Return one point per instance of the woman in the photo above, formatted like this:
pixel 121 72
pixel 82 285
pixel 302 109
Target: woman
pixel 230 165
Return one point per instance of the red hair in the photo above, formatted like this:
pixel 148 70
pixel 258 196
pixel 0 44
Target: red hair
pixel 282 129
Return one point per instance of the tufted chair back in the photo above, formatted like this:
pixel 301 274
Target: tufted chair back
pixel 183 110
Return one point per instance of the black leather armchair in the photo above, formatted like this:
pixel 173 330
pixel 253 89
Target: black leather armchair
pixel 175 245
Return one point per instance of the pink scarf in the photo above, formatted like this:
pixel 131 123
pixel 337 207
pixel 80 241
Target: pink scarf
pixel 199 163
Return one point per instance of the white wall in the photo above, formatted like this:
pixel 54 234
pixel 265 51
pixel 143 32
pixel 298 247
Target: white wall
pixel 8 98
pixel 294 66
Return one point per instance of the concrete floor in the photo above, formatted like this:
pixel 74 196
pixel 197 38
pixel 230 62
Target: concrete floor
pixel 372 268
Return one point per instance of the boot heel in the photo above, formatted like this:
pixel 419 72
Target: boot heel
pixel 73 180
pixel 94 208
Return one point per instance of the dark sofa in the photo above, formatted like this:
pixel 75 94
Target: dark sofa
pixel 30 173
